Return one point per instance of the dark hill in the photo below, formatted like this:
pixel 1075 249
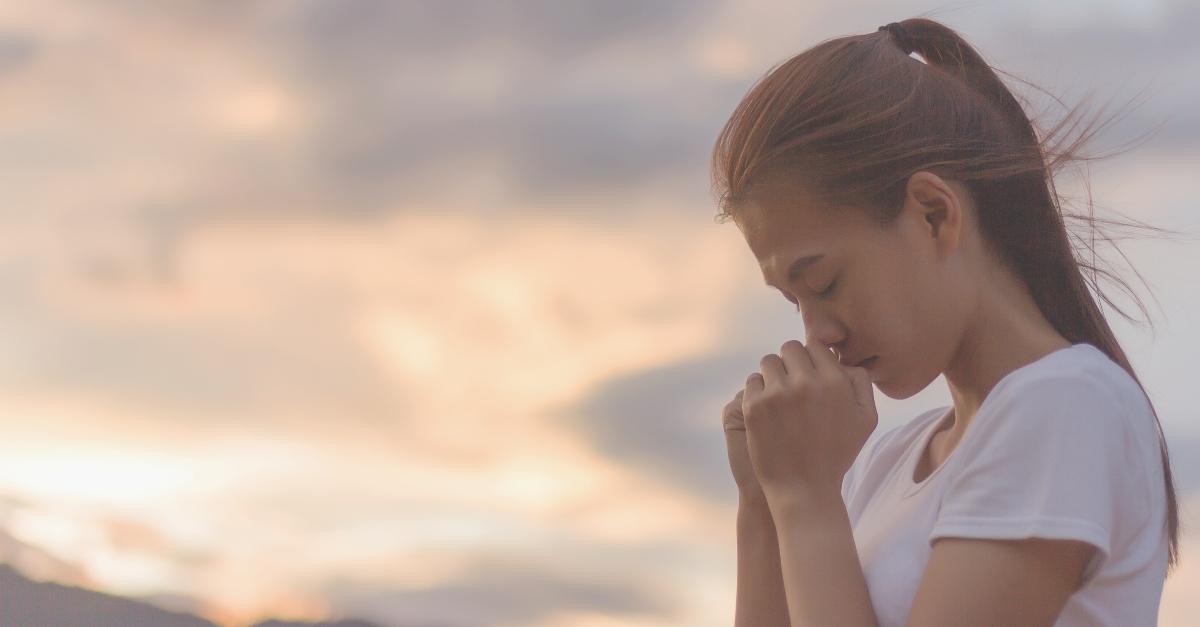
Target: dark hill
pixel 341 623
pixel 25 603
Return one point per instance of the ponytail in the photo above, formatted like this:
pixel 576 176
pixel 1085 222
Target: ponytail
pixel 860 117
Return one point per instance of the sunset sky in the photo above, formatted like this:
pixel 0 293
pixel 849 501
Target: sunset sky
pixel 417 312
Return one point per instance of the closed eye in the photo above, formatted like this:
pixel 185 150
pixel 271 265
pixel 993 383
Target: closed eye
pixel 790 299
pixel 829 290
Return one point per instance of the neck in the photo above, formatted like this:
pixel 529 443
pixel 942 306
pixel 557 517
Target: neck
pixel 1008 331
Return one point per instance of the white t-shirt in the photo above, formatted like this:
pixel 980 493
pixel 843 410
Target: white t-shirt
pixel 1063 448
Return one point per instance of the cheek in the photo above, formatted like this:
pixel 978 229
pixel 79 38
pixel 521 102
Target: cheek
pixel 905 316
pixel 886 308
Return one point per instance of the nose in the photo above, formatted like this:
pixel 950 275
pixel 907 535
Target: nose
pixel 821 327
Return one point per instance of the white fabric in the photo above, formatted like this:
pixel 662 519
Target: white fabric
pixel 1063 448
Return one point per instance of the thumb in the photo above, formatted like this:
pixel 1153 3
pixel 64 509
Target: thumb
pixel 864 392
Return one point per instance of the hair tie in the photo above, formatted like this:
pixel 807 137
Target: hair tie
pixel 900 35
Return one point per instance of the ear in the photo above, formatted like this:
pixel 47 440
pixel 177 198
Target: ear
pixel 939 207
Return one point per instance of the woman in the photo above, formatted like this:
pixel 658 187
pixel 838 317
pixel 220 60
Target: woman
pixel 893 189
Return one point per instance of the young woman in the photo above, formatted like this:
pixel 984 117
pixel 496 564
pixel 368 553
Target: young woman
pixel 906 206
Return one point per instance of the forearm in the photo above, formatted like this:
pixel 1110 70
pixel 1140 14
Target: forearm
pixel 761 600
pixel 822 576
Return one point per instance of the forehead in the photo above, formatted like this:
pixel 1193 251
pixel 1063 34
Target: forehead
pixel 782 228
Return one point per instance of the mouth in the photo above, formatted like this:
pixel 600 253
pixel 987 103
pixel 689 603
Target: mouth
pixel 866 363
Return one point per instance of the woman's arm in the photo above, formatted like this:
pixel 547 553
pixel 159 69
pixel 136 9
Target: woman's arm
pixel 822 576
pixel 967 582
pixel 760 596
pixel 806 420
pixel 761 601
pixel 981 583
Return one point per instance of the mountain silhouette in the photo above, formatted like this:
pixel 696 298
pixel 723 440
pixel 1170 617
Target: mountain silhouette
pixel 25 603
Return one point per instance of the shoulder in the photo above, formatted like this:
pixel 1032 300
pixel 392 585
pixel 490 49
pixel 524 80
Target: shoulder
pixel 1083 363
pixel 1080 405
pixel 1076 387
pixel 1064 448
pixel 1073 419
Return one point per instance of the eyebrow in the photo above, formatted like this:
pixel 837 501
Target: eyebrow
pixel 799 265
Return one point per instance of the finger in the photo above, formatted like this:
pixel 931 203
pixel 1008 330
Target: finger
pixel 754 386
pixel 772 369
pixel 795 358
pixel 824 361
pixel 732 417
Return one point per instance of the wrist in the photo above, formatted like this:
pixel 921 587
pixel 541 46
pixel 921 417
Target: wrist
pixel 755 500
pixel 804 506
pixel 755 527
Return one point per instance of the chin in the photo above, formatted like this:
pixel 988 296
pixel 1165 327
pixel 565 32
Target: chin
pixel 900 388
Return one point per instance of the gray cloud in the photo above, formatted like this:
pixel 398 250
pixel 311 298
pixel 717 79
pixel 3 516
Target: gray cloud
pixel 484 105
pixel 419 100
pixel 1185 461
pixel 598 143
pixel 416 96
pixel 16 51
pixel 668 421
pixel 555 147
pixel 345 35
pixel 1157 64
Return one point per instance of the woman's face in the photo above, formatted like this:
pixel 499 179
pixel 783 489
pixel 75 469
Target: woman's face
pixel 886 298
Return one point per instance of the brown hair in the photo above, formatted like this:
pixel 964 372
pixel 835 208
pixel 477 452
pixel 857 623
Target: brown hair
pixel 857 116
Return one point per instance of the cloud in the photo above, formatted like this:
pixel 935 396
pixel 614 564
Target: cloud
pixel 418 97
pixel 312 398
pixel 668 420
pixel 1154 60
pixel 1184 449
pixel 550 148
pixel 512 592
pixel 17 50
pixel 382 32
pixel 354 108
pixel 101 326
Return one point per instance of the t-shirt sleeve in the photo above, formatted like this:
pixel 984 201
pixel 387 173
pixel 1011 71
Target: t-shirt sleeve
pixel 1050 459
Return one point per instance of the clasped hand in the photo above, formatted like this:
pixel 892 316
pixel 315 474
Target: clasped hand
pixel 799 423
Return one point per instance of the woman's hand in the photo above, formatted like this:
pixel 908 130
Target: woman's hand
pixel 749 489
pixel 806 417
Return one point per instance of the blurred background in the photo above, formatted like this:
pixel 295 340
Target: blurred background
pixel 417 313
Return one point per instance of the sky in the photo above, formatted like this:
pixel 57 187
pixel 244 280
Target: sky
pixel 417 312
